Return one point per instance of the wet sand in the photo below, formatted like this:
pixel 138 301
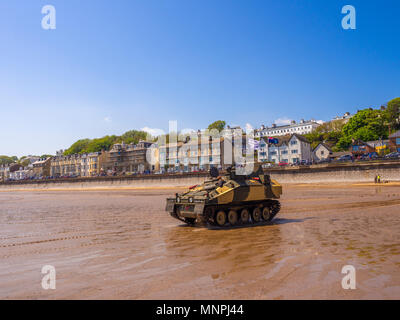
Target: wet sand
pixel 123 245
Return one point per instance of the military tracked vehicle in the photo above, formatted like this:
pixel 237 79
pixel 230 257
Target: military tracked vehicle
pixel 228 200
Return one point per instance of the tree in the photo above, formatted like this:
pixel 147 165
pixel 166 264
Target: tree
pixel 329 132
pixel 99 144
pixel 25 162
pixel 366 125
pixel 133 136
pixel 7 159
pixel 219 125
pixel 77 147
pixel 392 114
pixel 105 143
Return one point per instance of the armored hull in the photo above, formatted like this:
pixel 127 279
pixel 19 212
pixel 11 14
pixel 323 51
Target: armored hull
pixel 228 200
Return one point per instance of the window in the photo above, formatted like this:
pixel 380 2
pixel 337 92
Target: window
pixel 322 152
pixel 397 140
pixel 294 151
pixel 355 148
pixel 285 160
pixel 272 153
pixel 293 142
pixel 284 152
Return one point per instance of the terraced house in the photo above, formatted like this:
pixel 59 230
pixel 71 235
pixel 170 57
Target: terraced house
pixel 289 149
pixel 303 127
pixel 201 153
pixel 7 170
pixel 128 158
pixel 194 155
pixel 169 156
pixel 76 165
pixel 42 167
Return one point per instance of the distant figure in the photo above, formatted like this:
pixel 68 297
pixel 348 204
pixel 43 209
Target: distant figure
pixel 376 179
pixel 379 178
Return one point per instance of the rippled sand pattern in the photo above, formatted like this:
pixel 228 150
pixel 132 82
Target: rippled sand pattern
pixel 122 245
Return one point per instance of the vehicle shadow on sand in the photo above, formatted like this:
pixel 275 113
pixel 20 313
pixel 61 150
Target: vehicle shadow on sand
pixel 277 221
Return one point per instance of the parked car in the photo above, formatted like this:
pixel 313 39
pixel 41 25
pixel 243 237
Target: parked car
pixel 346 157
pixel 393 155
pixel 305 162
pixel 282 164
pixel 268 165
pixel 369 156
pixel 327 160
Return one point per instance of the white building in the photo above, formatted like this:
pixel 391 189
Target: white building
pixel 290 149
pixel 21 174
pixel 345 117
pixel 303 127
pixel 4 172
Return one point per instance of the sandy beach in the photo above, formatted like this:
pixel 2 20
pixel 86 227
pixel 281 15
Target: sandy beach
pixel 121 244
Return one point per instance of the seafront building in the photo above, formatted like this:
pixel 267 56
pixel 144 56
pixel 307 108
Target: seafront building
pixel 42 167
pixel 394 142
pixel 21 174
pixel 380 146
pixel 322 152
pixel 95 163
pixel 193 155
pixel 76 165
pixel 128 158
pixel 7 169
pixel 4 172
pixel 66 165
pixel 303 127
pixel 203 151
pixel 168 156
pixel 289 149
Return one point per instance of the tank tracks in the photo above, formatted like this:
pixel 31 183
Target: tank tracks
pixel 231 215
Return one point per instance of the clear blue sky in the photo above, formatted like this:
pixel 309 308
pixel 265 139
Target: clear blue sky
pixel 112 66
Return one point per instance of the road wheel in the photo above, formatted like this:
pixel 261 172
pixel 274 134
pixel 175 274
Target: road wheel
pixel 220 218
pixel 256 215
pixel 266 214
pixel 232 217
pixel 244 216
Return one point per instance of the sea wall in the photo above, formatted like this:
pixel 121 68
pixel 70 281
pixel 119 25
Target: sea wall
pixel 364 172
pixel 332 173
